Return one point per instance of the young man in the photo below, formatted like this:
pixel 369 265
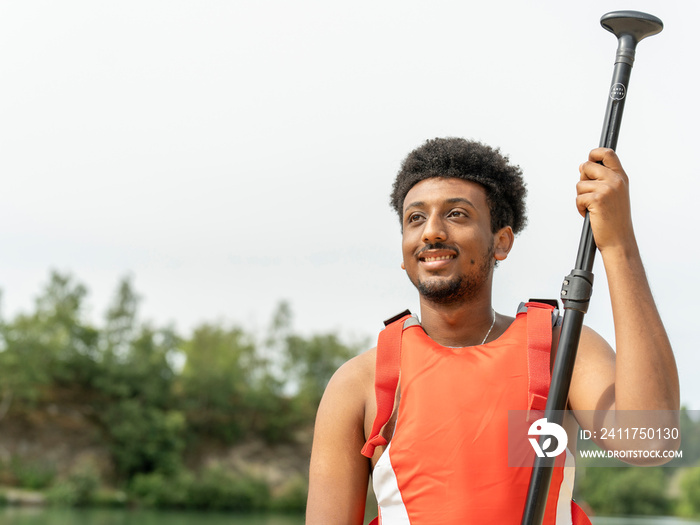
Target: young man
pixel 465 366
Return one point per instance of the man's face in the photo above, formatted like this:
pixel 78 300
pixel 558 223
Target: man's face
pixel 448 247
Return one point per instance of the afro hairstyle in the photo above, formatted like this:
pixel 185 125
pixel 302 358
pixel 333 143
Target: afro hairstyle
pixel 471 161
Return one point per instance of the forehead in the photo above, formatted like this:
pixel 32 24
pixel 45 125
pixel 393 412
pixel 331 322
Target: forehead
pixel 436 190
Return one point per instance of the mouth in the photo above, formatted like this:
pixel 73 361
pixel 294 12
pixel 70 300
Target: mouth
pixel 436 259
pixel 439 258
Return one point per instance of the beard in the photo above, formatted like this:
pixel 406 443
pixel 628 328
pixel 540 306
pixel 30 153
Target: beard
pixel 448 292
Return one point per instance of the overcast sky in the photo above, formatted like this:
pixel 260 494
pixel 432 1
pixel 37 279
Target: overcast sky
pixel 232 154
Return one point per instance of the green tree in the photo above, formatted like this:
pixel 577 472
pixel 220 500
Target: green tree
pixel 311 361
pixel 304 364
pixel 52 348
pixel 297 370
pixel 220 371
pixel 232 387
pixel 121 318
pixel 689 500
pixel 625 491
pixel 151 392
pixel 138 412
pixel 134 391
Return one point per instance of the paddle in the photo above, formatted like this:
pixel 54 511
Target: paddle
pixel 630 27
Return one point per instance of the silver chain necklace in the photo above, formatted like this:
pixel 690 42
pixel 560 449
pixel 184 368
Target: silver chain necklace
pixel 492 325
pixel 487 333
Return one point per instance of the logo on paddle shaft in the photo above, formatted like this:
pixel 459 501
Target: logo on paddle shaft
pixel 617 91
pixel 556 438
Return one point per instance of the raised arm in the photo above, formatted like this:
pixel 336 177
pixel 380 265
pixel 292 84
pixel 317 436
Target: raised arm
pixel 339 474
pixel 641 374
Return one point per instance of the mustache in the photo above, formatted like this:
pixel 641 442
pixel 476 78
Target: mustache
pixel 438 246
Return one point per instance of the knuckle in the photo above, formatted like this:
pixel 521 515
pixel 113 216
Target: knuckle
pixel 619 182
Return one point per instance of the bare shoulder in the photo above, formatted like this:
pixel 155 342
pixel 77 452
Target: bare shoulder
pixel 350 384
pixel 356 372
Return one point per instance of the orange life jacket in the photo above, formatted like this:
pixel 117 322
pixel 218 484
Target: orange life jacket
pixel 447 463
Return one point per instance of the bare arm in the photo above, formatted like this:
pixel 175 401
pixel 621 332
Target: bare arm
pixel 338 473
pixel 641 374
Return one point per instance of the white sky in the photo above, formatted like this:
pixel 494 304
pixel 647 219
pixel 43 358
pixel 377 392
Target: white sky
pixel 231 154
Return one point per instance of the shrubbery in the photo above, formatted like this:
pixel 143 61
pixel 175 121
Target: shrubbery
pixel 34 475
pixel 213 489
pixel 78 490
pixel 626 491
pixel 155 394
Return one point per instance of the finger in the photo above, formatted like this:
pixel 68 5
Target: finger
pixel 587 186
pixel 589 201
pixel 606 188
pixel 607 157
pixel 582 203
pixel 593 171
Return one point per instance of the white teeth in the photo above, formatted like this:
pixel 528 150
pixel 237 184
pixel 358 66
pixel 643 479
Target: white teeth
pixel 443 258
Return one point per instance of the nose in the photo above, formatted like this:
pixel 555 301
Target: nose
pixel 434 230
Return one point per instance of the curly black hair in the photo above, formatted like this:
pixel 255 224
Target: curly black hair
pixel 472 161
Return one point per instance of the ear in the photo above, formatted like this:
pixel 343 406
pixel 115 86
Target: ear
pixel 502 243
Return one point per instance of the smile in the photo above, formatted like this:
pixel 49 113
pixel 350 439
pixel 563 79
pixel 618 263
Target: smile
pixel 442 258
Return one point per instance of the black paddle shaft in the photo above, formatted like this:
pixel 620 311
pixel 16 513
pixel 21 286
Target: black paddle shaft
pixel 630 27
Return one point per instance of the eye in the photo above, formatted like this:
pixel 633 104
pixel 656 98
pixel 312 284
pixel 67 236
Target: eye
pixel 457 213
pixel 414 217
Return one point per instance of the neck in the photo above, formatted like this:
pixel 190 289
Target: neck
pixel 464 324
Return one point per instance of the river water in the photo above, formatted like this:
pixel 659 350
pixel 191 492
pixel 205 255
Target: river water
pixel 49 516
pixel 44 516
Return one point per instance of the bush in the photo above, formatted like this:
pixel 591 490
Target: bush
pixel 144 438
pixel 689 501
pixel 219 489
pixel 160 491
pixel 79 489
pixel 292 497
pixel 33 475
pixel 214 489
pixel 625 491
pixel 152 394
